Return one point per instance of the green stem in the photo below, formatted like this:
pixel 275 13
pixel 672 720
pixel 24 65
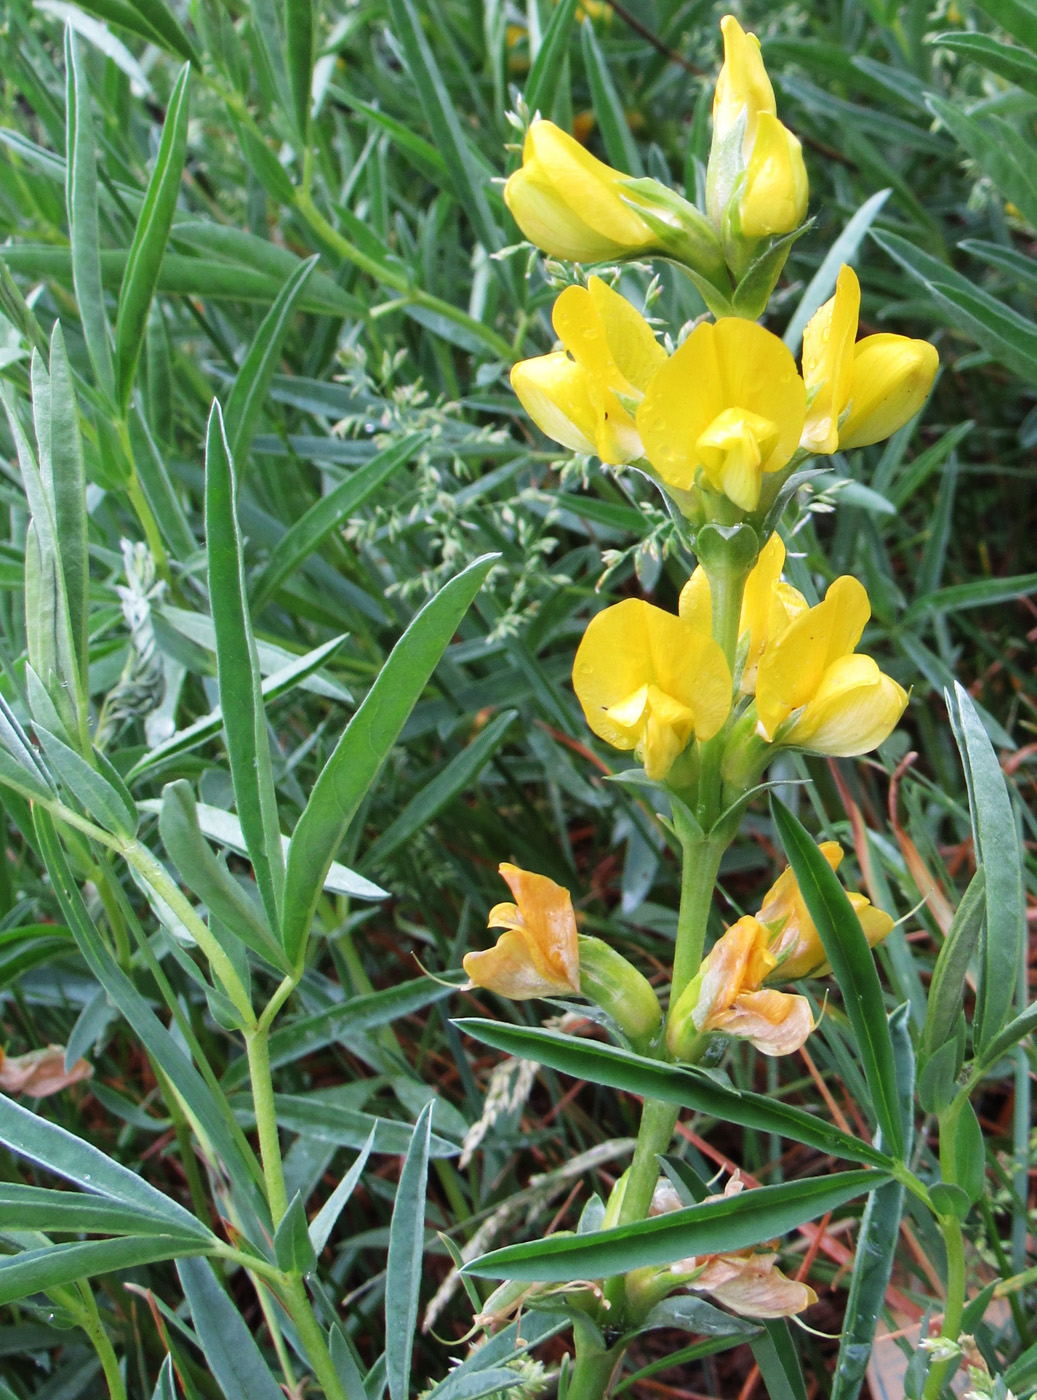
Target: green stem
pixel 312 1337
pixel 90 1321
pixel 398 281
pixel 701 865
pixel 955 1304
pixel 593 1366
pixel 257 1045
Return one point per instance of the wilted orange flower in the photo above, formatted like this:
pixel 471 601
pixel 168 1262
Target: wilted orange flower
pixel 40 1072
pixel 538 954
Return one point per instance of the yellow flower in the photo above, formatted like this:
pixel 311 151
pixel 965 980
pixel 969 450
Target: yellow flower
pixel 727 996
pixel 583 397
pixel 796 944
pixel 864 391
pixel 768 606
pixel 649 681
pixel 774 198
pixel 730 402
pixel 538 954
pixel 846 705
pixel 570 204
pixel 756 181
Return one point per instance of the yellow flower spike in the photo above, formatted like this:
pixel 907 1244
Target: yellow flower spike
pixel 774 197
pixel 796 944
pixel 538 954
pixel 648 681
pixel 743 84
pixel 847 705
pixel 828 355
pixel 569 203
pixel 727 996
pixel 578 397
pixel 729 402
pixel 892 377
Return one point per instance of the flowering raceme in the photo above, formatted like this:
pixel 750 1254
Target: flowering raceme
pixel 730 403
pixel 840 703
pixel 862 390
pixel 728 996
pixel 583 397
pixel 796 944
pixel 649 681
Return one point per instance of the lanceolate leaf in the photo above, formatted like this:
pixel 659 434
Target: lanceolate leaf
pixel 680 1084
pixel 735 1222
pixel 406 1247
pixel 230 1350
pixel 365 745
pixel 149 241
pixel 947 987
pixel 996 840
pixel 853 966
pixel 238 673
pixel 39 1269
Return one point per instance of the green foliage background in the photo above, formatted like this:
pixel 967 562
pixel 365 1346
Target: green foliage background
pixel 342 274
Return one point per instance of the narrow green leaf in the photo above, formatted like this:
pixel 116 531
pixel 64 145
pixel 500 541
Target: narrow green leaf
pixel 165 1386
pixel 35 1208
pixel 164 22
pixel 448 135
pixel 353 766
pixel 1007 60
pixel 406 1249
pixel 778 1360
pixel 323 1222
pixel 990 144
pixel 158 488
pixel 27 1135
pixel 209 878
pixel 64 482
pixel 947 987
pixel 680 1084
pixel 970 1155
pixel 81 202
pixel 238 674
pixel 843 250
pixel 1019 17
pixel 546 73
pixel 111 808
pixel 229 1347
pixel 309 532
pixel 212 1116
pixel 298 27
pixel 456 777
pixel 735 1222
pixel 16 743
pixel 292 1248
pixel 316 1116
pixel 24 779
pixel 123 14
pixel 36 1270
pixel 619 142
pixel 149 240
pixel 252 383
pixel 996 840
pixel 1017 1029
pixel 853 966
pixel 981 593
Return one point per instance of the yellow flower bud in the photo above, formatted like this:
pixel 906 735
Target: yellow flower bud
pixel 727 996
pixel 538 954
pixel 846 705
pixel 743 84
pixel 650 682
pixel 606 977
pixel 796 944
pixel 728 402
pixel 584 397
pixel 569 203
pixel 863 392
pixel 774 196
pixel 892 376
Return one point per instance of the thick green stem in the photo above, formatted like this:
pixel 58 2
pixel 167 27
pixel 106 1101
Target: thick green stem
pixel 312 1337
pixel 257 1045
pixel 593 1366
pixel 955 1304
pixel 701 865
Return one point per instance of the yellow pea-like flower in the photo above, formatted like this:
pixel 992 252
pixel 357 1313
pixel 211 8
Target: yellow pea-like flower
pixel 569 203
pixel 648 681
pixel 730 403
pixel 768 606
pixel 538 953
pixel 584 396
pixel 727 996
pixel 774 198
pixel 743 84
pixel 842 703
pixel 796 945
pixel 862 391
